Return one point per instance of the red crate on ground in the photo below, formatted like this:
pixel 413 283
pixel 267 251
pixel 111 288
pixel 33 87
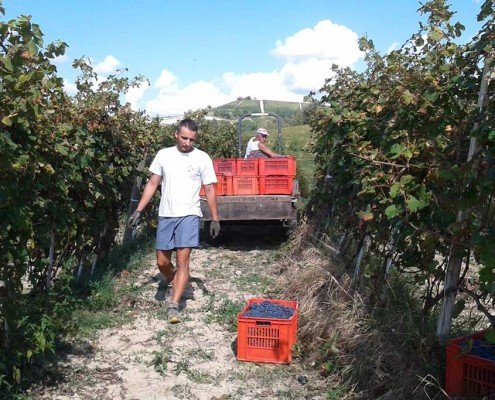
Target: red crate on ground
pixel 466 374
pixel 276 184
pixel 247 166
pixel 226 166
pixel 245 185
pixel 285 166
pixel 266 339
pixel 219 187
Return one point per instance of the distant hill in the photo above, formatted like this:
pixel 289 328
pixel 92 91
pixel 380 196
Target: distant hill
pixel 288 111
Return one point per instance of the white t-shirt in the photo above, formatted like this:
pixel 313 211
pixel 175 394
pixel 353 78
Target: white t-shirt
pixel 252 146
pixel 182 175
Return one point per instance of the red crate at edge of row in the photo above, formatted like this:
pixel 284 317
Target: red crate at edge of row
pixel 266 339
pixel 467 374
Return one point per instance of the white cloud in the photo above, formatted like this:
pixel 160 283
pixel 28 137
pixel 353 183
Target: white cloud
pixel 326 41
pixel 135 94
pixel 107 66
pixel 392 47
pixel 307 57
pixel 70 87
pixel 60 59
pixel 306 75
pixel 192 97
pixel 260 85
pixel 166 79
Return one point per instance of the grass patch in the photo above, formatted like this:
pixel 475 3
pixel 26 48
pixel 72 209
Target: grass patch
pixel 200 377
pixel 182 366
pixel 161 359
pixel 103 293
pixel 378 352
pixel 253 282
pixel 89 322
pixel 226 314
pixel 297 141
pixel 103 299
pixel 182 391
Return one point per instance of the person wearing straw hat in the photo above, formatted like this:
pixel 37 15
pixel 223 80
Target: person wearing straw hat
pixel 256 147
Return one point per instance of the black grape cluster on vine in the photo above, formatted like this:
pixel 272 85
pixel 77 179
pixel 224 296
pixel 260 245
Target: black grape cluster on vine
pixel 482 348
pixel 267 309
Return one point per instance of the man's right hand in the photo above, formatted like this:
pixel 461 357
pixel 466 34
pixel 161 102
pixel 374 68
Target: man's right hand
pixel 134 219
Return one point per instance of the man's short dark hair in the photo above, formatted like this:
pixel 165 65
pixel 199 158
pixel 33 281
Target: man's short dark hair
pixel 189 124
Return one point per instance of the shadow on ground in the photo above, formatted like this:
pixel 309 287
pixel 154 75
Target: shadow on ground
pixel 247 235
pixel 163 290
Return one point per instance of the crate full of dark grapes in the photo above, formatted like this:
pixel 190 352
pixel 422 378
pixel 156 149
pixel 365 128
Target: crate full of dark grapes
pixel 267 330
pixel 470 366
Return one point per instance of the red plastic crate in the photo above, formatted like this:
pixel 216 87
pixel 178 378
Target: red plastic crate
pixel 247 166
pixel 226 166
pixel 220 186
pixel 468 375
pixel 285 166
pixel 228 186
pixel 276 184
pixel 266 339
pixel 245 185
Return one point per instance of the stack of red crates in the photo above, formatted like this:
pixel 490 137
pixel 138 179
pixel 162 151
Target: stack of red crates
pixel 253 176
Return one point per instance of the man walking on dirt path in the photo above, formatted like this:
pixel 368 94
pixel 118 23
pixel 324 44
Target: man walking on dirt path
pixel 181 170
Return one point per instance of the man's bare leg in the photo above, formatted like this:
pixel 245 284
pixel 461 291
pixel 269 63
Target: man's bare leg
pixel 164 263
pixel 182 273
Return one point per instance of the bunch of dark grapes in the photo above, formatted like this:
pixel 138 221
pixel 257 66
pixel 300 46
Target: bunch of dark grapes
pixel 482 348
pixel 267 309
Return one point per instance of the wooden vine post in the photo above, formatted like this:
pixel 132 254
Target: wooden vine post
pixel 51 262
pixel 456 253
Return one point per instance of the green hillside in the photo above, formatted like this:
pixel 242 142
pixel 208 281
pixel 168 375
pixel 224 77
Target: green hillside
pixel 288 111
pixel 296 142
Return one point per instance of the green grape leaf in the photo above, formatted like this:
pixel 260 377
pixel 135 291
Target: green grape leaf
pixel 6 121
pixel 394 190
pixel 414 205
pixel 391 211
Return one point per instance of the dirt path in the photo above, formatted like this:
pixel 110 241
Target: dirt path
pixel 148 358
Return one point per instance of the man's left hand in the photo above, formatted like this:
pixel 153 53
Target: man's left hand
pixel 214 229
pixel 134 219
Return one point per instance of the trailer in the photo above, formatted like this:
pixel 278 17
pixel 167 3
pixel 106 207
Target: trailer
pixel 257 207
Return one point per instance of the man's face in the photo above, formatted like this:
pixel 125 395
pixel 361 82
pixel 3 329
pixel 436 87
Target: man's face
pixel 185 139
pixel 262 138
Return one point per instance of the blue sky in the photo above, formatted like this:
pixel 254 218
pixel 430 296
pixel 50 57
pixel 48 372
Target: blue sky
pixel 197 53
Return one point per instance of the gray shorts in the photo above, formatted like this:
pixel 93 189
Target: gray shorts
pixel 177 232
